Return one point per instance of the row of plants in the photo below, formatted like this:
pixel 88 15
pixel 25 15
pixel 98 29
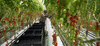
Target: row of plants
pixel 16 14
pixel 70 15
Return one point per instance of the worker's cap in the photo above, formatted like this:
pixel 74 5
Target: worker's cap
pixel 44 10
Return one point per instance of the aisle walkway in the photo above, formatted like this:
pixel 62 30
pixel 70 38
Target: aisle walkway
pixel 50 33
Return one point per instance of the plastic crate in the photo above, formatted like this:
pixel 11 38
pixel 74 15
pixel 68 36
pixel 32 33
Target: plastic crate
pixel 33 36
pixel 29 40
pixel 38 24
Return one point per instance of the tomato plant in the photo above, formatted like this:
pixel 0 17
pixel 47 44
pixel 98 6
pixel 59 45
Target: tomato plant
pixel 70 15
pixel 16 14
pixel 74 15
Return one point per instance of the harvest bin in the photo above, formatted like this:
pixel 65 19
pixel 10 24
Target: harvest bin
pixel 38 24
pixel 34 32
pixel 33 36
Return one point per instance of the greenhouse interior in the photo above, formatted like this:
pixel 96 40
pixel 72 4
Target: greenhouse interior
pixel 49 23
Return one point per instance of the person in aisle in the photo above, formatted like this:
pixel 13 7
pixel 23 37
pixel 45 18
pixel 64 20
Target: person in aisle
pixel 43 17
pixel 42 20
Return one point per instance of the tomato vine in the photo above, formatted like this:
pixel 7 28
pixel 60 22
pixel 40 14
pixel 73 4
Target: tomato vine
pixel 16 14
pixel 74 14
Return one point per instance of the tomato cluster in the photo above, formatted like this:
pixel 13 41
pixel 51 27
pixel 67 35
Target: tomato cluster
pixel 3 33
pixel 75 34
pixel 98 43
pixel 14 22
pixel 54 39
pixel 19 20
pixel 57 3
pixel 22 24
pixel 79 28
pixel 97 26
pixel 76 37
pixel 16 11
pixel 73 19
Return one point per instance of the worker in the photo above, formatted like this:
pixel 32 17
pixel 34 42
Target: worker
pixel 42 20
pixel 43 17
